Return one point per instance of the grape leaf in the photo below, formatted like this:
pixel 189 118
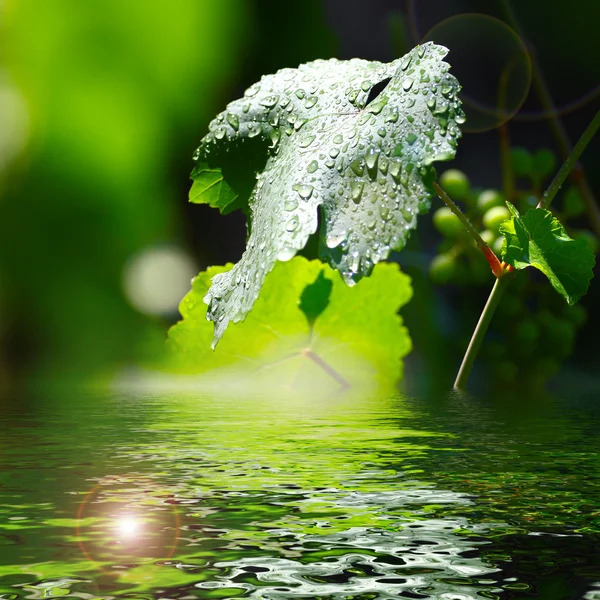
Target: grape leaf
pixel 537 239
pixel 356 138
pixel 211 188
pixel 306 328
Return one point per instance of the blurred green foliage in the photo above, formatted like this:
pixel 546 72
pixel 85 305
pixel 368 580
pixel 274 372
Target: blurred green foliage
pixel 110 89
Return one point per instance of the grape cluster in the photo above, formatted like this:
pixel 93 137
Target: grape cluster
pixel 533 329
pixel 459 260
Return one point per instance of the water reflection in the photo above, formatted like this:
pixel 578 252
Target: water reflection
pixel 424 557
pixel 187 497
pixel 125 519
pixel 128 527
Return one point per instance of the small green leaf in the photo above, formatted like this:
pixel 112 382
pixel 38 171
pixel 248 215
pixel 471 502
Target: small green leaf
pixel 537 239
pixel 355 331
pixel 352 139
pixel 210 188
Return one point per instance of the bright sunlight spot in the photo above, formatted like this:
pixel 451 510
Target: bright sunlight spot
pixel 156 279
pixel 128 526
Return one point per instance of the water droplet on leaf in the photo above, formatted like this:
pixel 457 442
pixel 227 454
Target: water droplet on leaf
pixel 290 204
pixel 371 158
pixel 233 120
pixel 292 224
pixel 286 254
pixel 305 142
pixel 269 101
pixel 304 191
pixel 335 239
pixel 356 190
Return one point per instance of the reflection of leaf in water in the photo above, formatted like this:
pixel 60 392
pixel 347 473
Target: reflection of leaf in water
pixel 423 556
pixel 307 331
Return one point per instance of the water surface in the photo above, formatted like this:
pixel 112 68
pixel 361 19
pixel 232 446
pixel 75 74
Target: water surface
pixel 157 495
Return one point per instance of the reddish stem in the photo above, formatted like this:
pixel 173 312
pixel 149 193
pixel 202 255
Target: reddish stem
pixel 497 267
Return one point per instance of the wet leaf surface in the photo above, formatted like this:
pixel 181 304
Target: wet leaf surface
pixel 355 138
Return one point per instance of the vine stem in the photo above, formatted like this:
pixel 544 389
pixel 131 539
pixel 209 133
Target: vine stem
pixel 481 328
pixel 494 262
pixel 507 272
pixel 556 125
pixel 570 163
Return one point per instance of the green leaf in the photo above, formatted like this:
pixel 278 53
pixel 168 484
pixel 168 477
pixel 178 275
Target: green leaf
pixel 355 138
pixel 355 332
pixel 538 240
pixel 210 188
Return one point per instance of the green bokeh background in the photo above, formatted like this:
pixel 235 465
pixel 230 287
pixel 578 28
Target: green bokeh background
pixel 116 95
pixel 109 87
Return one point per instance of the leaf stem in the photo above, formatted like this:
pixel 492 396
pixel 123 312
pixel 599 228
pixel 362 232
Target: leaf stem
pixel 571 161
pixel 481 328
pixel 494 262
pixel 326 367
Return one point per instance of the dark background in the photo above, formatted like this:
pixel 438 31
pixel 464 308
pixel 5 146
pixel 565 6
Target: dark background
pixel 103 102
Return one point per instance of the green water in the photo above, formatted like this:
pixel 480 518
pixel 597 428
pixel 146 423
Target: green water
pixel 137 495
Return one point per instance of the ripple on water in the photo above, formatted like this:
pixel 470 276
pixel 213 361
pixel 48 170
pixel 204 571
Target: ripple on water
pixel 425 558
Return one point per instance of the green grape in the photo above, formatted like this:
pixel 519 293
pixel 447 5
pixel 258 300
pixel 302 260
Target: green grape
pixel 528 202
pixel 488 236
pixel 546 367
pixel 498 246
pixel 524 350
pixel 510 306
pixel 526 331
pixel 558 337
pixel 544 318
pixel 576 314
pixel 544 162
pixel 455 183
pixel 447 223
pixel 443 269
pixel 573 204
pixel 479 269
pixel 506 371
pixel 588 236
pixel 447 245
pixel 522 162
pixel 494 217
pixel 488 199
pixel 494 349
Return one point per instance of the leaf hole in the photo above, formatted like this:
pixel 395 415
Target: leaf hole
pixel 377 89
